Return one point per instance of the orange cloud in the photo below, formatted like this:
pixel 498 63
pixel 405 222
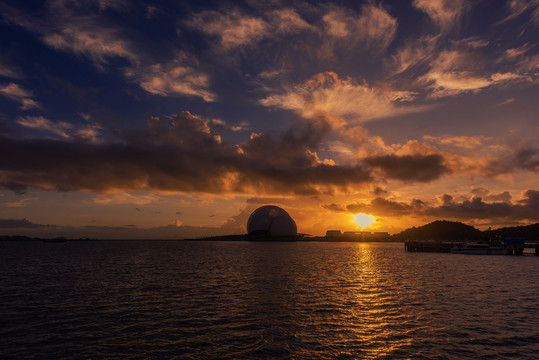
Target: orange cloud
pixel 177 77
pixel 327 94
pixel 16 93
pixel 374 26
pixel 445 13
pixel 467 142
pixel 65 130
pixel 234 28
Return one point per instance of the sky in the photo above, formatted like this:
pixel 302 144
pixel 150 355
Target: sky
pixel 177 119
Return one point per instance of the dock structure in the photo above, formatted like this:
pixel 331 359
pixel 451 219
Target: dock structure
pixel 514 246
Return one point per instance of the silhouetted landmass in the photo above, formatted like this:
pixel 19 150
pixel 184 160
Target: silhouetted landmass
pixel 444 230
pixel 529 232
pixel 16 238
pixel 26 238
pixel 440 230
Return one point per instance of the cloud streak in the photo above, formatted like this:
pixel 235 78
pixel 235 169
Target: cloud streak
pixel 177 77
pixel 17 93
pixel 327 94
pixel 444 13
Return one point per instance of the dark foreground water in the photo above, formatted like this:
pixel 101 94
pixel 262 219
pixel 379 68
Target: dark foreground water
pixel 241 300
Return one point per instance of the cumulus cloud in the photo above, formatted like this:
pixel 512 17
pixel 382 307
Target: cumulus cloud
pixel 526 158
pixel 494 206
pixel 329 95
pixel 521 158
pixel 17 93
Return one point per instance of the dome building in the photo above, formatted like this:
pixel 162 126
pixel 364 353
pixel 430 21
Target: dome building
pixel 271 220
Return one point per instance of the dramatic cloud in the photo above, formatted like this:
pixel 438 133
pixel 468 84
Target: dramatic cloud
pixel 499 206
pixel 521 158
pixel 422 168
pixel 180 155
pixel 527 158
pixel 17 93
pixel 328 95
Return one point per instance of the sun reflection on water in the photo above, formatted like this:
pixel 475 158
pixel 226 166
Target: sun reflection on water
pixel 377 316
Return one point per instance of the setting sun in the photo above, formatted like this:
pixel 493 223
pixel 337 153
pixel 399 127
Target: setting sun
pixel 363 220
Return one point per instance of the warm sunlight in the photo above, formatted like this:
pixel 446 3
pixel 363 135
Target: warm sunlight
pixel 363 220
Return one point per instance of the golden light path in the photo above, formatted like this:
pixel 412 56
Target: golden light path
pixel 364 220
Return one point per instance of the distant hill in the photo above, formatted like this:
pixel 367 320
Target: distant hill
pixel 529 232
pixel 15 238
pixel 441 230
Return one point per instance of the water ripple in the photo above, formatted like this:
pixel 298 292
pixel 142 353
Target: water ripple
pixel 203 300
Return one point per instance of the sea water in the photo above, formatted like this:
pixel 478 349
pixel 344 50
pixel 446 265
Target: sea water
pixel 249 300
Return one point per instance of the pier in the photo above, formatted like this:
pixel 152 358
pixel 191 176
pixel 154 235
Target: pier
pixel 514 246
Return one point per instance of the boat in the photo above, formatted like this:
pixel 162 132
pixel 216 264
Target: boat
pixel 479 249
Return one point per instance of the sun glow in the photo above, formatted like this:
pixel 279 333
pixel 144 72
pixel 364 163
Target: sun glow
pixel 363 220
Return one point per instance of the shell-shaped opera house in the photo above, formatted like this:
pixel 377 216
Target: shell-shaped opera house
pixel 271 220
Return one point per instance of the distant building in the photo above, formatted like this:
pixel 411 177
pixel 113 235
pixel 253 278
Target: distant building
pixel 333 233
pixel 271 220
